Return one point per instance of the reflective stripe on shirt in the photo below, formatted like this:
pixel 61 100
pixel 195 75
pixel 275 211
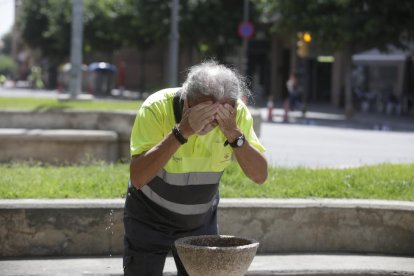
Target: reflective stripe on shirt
pixel 183 209
pixel 194 178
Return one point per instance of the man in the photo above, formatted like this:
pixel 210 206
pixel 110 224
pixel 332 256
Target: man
pixel 181 142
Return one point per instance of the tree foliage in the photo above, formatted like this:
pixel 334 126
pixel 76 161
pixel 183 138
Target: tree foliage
pixel 7 44
pixel 105 24
pixel 149 23
pixel 211 24
pixel 205 24
pixel 46 24
pixel 7 66
pixel 111 24
pixel 339 24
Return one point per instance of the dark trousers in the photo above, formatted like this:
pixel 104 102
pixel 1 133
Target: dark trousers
pixel 146 248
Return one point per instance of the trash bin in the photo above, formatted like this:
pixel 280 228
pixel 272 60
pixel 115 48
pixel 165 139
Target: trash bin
pixel 64 77
pixel 102 78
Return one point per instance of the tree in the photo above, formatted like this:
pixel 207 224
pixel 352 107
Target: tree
pixel 106 25
pixel 347 26
pixel 148 23
pixel 210 26
pixel 7 66
pixel 7 44
pixel 46 25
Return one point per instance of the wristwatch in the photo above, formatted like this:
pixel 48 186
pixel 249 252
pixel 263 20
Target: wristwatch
pixel 236 143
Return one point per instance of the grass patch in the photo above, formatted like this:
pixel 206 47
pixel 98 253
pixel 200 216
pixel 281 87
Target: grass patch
pixel 55 104
pixel 386 181
pixel 38 181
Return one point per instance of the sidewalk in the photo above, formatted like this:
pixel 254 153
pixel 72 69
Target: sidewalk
pixel 283 264
pixel 327 115
pixel 42 93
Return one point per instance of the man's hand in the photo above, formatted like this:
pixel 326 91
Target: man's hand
pixel 196 118
pixel 226 118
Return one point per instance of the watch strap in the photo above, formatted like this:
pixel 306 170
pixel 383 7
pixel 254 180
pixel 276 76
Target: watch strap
pixel 234 143
pixel 179 136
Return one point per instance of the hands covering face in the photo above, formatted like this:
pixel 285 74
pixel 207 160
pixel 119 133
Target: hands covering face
pixel 204 117
pixel 226 118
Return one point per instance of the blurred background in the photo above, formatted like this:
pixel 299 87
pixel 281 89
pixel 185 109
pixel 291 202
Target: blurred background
pixel 356 55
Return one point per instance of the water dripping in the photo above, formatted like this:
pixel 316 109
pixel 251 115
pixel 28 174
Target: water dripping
pixel 110 230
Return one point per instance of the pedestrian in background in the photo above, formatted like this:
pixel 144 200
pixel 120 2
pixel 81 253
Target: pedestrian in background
pixel 181 142
pixel 294 95
pixel 121 76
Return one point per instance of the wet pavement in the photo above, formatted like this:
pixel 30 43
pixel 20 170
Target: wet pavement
pixel 280 264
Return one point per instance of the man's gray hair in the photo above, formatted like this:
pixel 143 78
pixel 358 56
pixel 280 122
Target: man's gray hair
pixel 213 79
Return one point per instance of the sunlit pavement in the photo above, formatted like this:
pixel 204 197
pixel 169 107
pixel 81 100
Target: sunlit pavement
pixel 329 140
pixel 318 146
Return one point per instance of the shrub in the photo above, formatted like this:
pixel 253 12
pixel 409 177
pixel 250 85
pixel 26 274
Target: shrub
pixel 7 66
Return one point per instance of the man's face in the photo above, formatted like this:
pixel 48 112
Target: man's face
pixel 209 127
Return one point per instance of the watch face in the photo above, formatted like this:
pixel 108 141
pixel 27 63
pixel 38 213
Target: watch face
pixel 240 142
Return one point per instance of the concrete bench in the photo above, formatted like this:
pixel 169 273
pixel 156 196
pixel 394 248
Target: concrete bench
pixel 72 227
pixel 57 145
pixel 120 122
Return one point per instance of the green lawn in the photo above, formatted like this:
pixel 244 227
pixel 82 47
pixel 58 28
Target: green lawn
pixel 55 104
pixel 392 182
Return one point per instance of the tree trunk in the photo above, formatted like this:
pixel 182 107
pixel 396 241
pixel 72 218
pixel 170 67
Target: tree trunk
pixel 337 81
pixel 349 109
pixel 341 86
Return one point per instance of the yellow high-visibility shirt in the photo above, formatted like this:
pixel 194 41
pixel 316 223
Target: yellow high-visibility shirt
pixel 202 153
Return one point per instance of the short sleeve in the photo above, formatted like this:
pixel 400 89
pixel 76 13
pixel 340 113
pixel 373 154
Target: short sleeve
pixel 147 130
pixel 245 123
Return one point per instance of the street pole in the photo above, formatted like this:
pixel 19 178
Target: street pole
pixel 76 49
pixel 245 40
pixel 173 47
pixel 15 33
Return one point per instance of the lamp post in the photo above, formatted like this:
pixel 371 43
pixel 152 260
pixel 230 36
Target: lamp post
pixel 173 46
pixel 245 39
pixel 75 85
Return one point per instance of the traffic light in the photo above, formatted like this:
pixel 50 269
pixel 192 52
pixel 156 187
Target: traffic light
pixel 304 40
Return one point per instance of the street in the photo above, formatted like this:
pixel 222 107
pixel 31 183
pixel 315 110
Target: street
pixel 317 146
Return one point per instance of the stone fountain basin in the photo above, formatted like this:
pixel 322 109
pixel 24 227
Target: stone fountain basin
pixel 216 255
